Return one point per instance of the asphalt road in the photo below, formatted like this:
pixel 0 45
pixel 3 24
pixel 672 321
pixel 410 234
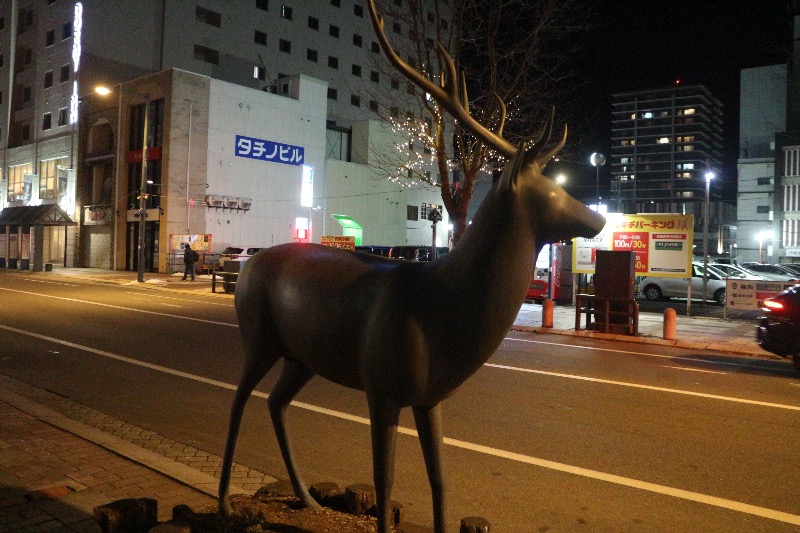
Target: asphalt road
pixel 553 434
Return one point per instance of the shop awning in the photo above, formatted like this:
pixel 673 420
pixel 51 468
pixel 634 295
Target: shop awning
pixel 35 215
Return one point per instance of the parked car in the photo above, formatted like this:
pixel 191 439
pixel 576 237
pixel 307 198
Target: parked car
pixel 374 250
pixel 656 288
pixel 778 328
pixel 415 253
pixel 238 254
pixel 735 271
pixel 772 272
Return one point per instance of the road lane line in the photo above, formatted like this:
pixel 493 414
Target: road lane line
pixel 665 490
pixel 75 300
pixel 630 352
pixel 50 282
pixel 694 370
pixel 179 299
pixel 645 387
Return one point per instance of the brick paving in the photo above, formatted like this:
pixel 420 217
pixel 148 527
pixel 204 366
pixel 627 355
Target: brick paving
pixel 60 459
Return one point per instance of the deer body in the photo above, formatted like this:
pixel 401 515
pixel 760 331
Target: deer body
pixel 408 334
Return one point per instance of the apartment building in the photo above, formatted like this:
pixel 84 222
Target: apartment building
pixel 664 141
pixel 291 75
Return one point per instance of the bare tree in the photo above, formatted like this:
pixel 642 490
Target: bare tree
pixel 513 59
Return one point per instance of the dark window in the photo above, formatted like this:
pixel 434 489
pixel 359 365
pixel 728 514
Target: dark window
pixel 48 79
pixel 211 18
pixel 313 23
pixel 311 55
pixel 285 46
pixel 358 10
pixel 51 2
pixel 393 111
pixel 47 121
pixel 26 94
pixel 444 24
pixel 62 116
pixel 333 62
pixel 398 2
pixel 50 37
pixel 431 17
pixel 1 60
pixel 26 132
pixel 762 209
pixel 260 38
pixel 331 94
pixel 336 3
pixel 29 18
pixel 66 30
pixel 209 55
pixel 355 100
pixel 410 88
pixel 27 56
pixel 358 40
pixel 2 23
pixel 375 76
pixel 376 48
pixel 412 212
pixel 764 181
pixel 262 5
pixel 260 73
pixel 333 31
pixel 395 84
pixel 286 12
pixel 396 28
pixel 373 105
pixel 356 70
pixel 64 74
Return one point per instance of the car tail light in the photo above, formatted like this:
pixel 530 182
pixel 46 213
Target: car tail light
pixel 772 305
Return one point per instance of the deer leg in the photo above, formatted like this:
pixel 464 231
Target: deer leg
pixel 255 368
pixel 384 417
pixel 429 428
pixel 293 377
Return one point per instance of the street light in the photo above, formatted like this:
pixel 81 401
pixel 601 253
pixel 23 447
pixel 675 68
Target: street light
pixel 709 176
pixel 597 160
pixel 104 91
pixel 561 179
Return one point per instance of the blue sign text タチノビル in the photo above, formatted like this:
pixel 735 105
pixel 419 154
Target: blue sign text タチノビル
pixel 272 151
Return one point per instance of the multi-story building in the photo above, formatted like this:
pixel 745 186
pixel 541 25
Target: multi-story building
pixel 225 84
pixel 664 141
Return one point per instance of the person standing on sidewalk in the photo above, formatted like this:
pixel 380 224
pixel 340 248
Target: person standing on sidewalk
pixel 190 257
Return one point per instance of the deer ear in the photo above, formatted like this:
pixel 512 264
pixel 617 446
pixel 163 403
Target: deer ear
pixel 513 168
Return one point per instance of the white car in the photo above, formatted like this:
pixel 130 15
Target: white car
pixel 655 288
pixel 237 254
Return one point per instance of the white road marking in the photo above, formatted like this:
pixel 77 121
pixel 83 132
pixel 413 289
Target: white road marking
pixel 180 299
pixel 75 300
pixel 51 282
pixel 630 352
pixel 694 370
pixel 732 505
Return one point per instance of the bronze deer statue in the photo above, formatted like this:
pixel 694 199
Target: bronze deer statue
pixel 290 298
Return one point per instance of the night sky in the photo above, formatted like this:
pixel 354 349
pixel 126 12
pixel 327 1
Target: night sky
pixel 643 44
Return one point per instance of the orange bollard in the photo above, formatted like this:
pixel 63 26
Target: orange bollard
pixel 547 313
pixel 670 329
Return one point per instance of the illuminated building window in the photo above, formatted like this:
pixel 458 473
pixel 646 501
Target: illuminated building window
pixel 662 140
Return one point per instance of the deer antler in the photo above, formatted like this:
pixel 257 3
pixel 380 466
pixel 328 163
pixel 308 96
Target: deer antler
pixel 447 94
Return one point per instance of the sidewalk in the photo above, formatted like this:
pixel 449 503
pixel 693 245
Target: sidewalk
pixel 60 459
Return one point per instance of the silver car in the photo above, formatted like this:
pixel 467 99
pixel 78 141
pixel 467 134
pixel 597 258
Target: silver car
pixel 655 288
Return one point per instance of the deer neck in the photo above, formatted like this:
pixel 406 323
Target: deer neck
pixel 484 278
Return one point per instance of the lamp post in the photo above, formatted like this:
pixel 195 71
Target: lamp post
pixel 143 183
pixel 709 176
pixel 597 160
